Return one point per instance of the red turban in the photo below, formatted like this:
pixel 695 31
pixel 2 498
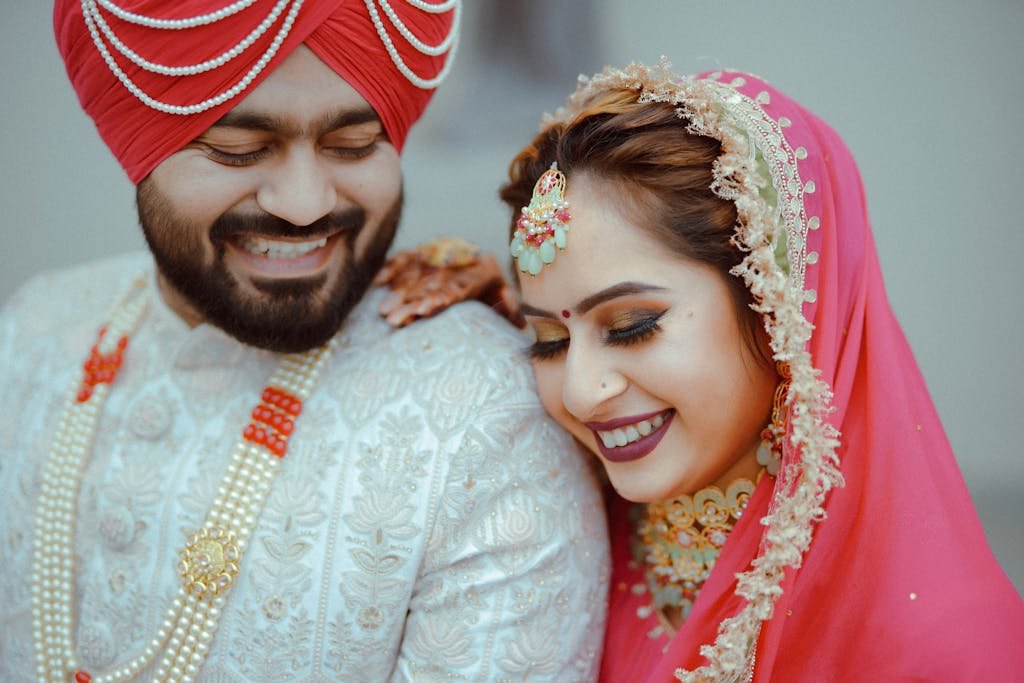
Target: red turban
pixel 339 32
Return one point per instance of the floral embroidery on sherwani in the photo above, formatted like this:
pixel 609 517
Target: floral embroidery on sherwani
pixel 428 523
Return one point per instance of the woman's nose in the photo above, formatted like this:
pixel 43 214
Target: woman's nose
pixel 590 381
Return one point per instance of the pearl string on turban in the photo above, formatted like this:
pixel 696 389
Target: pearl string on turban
pixel 154 74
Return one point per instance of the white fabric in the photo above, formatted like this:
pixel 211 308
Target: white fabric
pixel 429 521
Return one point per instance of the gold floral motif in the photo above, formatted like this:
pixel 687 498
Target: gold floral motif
pixel 680 540
pixel 209 562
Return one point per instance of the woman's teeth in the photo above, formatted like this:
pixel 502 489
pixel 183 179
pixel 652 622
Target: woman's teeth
pixel 272 249
pixel 630 433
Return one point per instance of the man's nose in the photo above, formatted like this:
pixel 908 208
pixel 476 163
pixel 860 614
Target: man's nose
pixel 298 189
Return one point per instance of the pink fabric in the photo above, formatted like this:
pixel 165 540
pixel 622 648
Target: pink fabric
pixel 899 582
pixel 340 32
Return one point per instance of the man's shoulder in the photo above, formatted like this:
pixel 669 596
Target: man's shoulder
pixel 67 296
pixel 471 324
pixel 472 337
pixel 462 361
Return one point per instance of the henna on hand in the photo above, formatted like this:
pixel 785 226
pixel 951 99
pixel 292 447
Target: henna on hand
pixel 439 274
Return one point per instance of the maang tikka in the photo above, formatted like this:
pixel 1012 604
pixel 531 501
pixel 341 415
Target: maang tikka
pixel 542 225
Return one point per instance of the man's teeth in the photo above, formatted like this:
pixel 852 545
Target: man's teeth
pixel 630 433
pixel 273 249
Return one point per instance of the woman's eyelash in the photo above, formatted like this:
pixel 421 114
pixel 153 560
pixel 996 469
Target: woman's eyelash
pixel 543 350
pixel 637 333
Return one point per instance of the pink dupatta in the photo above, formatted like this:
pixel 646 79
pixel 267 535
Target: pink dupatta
pixel 865 559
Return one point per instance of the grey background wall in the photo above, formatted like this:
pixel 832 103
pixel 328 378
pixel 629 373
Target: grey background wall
pixel 928 95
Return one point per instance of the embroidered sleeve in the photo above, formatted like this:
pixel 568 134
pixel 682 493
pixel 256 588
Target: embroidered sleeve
pixel 514 579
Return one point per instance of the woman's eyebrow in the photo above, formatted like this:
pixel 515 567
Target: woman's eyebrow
pixel 527 309
pixel 587 303
pixel 614 292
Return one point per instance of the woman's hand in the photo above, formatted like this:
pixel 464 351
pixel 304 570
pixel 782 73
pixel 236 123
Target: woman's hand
pixel 440 273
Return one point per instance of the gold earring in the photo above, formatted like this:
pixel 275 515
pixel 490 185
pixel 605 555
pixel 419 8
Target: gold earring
pixel 769 452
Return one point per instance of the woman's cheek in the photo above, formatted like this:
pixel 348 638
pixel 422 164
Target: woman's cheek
pixel 549 388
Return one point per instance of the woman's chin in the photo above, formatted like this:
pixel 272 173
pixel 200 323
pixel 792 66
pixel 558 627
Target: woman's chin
pixel 640 491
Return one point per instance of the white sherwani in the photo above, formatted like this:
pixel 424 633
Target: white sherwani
pixel 428 523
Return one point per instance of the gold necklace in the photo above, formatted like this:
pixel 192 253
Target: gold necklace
pixel 209 561
pixel 679 540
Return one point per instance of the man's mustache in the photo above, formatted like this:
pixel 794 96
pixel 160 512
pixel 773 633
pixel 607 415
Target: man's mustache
pixel 266 225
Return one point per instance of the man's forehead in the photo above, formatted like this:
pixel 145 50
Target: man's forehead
pixel 302 96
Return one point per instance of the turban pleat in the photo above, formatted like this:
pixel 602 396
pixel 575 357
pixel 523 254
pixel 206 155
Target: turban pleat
pixel 339 32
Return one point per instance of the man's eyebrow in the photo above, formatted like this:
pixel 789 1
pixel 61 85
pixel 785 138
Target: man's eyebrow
pixel 344 119
pixel 606 294
pixel 256 121
pixel 271 123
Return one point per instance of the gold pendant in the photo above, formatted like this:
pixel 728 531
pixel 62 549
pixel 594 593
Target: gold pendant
pixel 209 562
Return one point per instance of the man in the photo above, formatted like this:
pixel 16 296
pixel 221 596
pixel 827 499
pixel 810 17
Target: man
pixel 252 477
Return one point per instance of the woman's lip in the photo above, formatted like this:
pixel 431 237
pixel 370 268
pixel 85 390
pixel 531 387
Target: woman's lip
pixel 639 448
pixel 622 421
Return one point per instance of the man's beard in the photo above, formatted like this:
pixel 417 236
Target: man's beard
pixel 287 315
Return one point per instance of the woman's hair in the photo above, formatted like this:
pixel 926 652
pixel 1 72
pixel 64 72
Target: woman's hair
pixel 660 171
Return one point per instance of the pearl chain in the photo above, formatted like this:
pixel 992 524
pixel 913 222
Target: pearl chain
pixel 190 622
pixel 450 41
pixel 52 559
pixel 100 29
pixel 188 69
pixel 439 8
pixel 432 50
pixel 190 22
pixel 89 11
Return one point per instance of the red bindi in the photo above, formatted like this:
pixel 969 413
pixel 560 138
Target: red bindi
pixel 565 313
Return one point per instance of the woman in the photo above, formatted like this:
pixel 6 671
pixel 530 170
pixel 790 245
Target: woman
pixel 710 321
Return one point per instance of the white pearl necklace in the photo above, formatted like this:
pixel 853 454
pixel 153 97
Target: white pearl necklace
pixel 450 41
pixel 209 561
